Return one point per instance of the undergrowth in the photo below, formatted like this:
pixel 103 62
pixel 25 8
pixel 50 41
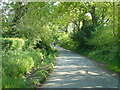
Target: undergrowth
pixel 102 46
pixel 20 66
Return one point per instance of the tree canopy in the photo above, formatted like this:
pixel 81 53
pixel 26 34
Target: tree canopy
pixel 89 28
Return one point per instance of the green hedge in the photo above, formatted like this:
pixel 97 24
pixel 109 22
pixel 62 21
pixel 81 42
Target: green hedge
pixel 18 59
pixel 14 43
pixel 17 63
pixel 10 82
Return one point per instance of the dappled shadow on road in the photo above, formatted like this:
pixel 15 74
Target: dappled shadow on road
pixel 75 71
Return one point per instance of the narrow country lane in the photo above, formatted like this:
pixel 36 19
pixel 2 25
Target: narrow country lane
pixel 73 70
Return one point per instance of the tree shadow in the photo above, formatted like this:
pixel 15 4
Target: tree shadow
pixel 75 71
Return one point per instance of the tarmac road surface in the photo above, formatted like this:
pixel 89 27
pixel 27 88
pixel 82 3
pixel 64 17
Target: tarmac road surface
pixel 73 70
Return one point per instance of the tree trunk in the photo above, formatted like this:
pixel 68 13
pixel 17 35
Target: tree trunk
pixel 94 18
pixel 83 24
pixel 78 26
pixel 113 19
pixel 66 28
pixel 19 12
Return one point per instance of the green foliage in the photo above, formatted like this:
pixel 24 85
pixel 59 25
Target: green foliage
pixel 15 64
pixel 43 68
pixel 66 42
pixel 12 43
pixel 31 43
pixel 42 74
pixel 30 46
pixel 97 37
pixel 105 44
pixel 102 37
pixel 10 82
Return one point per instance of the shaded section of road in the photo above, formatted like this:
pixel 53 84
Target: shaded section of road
pixel 73 70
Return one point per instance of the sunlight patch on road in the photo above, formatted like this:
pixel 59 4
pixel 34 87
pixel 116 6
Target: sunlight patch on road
pixel 99 86
pixel 69 57
pixel 93 73
pixel 71 66
pixel 88 87
pixel 72 73
pixel 51 84
pixel 56 79
pixel 82 71
pixel 75 71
